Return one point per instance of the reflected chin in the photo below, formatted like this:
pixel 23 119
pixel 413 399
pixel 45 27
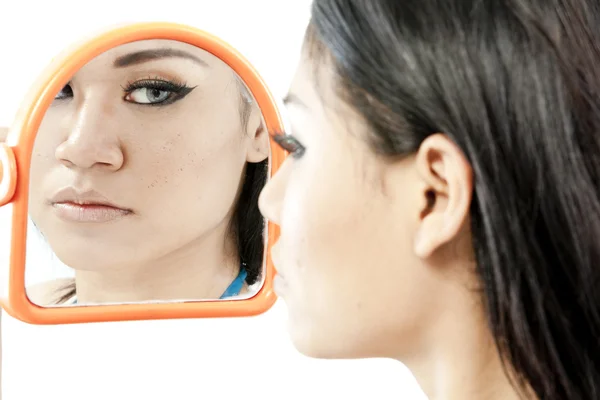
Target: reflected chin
pixel 81 253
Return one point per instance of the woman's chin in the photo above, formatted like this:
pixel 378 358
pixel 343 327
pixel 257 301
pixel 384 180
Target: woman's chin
pixel 313 342
pixel 88 258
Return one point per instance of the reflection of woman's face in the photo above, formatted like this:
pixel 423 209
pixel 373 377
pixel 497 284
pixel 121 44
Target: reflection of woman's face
pixel 153 128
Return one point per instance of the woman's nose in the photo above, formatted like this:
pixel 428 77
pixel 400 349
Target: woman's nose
pixel 271 197
pixel 91 143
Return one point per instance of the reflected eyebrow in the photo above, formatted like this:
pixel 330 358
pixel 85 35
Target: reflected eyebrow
pixel 291 98
pixel 143 56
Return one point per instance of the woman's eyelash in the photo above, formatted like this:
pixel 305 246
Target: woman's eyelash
pixel 290 144
pixel 176 90
pixel 66 91
pixel 156 84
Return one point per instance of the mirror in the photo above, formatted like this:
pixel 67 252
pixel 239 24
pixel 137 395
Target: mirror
pixel 144 182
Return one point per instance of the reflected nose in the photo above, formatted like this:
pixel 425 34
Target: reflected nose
pixel 270 201
pixel 91 143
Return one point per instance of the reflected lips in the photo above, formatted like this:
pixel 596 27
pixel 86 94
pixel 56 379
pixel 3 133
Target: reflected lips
pixel 89 206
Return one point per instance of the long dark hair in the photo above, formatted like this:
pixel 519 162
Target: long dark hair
pixel 247 223
pixel 516 85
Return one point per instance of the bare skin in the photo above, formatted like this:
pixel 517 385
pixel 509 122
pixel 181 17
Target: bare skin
pixel 171 155
pixel 383 248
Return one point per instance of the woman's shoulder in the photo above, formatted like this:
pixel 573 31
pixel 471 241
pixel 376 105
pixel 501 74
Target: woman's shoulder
pixel 51 292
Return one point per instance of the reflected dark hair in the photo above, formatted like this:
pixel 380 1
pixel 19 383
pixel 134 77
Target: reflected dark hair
pixel 247 223
pixel 516 85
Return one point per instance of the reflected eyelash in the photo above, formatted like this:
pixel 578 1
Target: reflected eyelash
pixel 180 89
pixel 68 84
pixel 155 83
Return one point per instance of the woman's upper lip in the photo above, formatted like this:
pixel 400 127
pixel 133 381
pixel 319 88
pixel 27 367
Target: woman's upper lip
pixel 88 197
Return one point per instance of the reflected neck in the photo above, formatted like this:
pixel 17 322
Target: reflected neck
pixel 203 269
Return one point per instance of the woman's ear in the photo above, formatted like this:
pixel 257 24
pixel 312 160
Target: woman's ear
pixel 446 193
pixel 257 137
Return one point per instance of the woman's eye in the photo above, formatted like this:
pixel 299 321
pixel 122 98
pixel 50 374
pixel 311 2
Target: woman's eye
pixel 155 92
pixel 147 95
pixel 290 144
pixel 65 92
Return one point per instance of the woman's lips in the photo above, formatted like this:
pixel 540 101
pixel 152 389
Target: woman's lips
pixel 279 284
pixel 76 212
pixel 90 205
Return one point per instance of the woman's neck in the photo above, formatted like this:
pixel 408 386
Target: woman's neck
pixel 461 361
pixel 202 269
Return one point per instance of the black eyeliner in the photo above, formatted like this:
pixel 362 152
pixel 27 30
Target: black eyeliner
pixel 67 85
pixel 180 90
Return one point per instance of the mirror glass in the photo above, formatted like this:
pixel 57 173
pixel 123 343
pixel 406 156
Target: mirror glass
pixel 144 182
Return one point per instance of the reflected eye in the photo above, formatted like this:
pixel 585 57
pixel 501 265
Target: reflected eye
pixel 155 92
pixel 65 92
pixel 148 96
pixel 290 144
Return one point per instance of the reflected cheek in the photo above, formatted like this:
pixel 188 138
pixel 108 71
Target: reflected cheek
pixel 43 154
pixel 40 173
pixel 43 157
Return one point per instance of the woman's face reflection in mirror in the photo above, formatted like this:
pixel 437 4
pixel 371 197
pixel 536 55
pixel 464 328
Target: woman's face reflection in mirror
pixel 164 132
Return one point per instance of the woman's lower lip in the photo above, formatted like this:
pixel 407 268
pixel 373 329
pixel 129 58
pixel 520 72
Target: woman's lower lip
pixel 88 212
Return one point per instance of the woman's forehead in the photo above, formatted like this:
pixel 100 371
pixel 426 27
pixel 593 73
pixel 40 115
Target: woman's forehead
pixel 161 45
pixel 138 55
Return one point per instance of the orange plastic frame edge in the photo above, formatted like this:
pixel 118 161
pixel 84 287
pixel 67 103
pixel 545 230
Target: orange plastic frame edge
pixel 17 155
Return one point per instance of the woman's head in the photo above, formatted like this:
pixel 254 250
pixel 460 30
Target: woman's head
pixel 165 131
pixel 445 153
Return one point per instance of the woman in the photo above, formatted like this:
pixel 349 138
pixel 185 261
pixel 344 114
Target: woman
pixel 441 202
pixel 145 178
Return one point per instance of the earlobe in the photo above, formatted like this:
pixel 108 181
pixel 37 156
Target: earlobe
pixel 447 194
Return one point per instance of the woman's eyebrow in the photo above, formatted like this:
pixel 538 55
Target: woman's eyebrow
pixel 143 56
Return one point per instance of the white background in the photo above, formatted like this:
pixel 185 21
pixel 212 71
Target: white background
pixel 247 358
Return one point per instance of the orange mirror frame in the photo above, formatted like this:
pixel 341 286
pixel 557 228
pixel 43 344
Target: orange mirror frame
pixel 15 157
